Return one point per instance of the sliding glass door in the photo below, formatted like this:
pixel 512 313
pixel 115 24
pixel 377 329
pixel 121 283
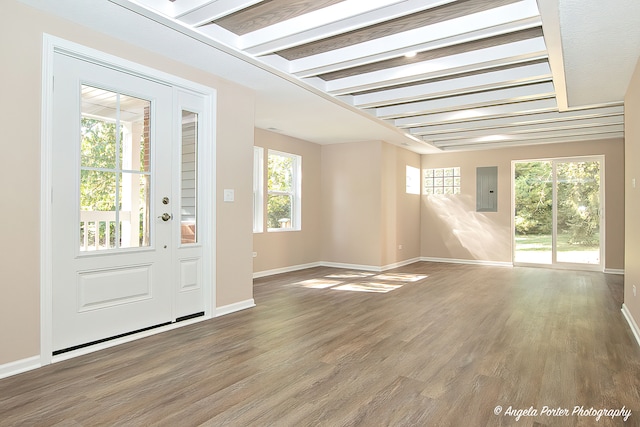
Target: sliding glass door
pixel 558 212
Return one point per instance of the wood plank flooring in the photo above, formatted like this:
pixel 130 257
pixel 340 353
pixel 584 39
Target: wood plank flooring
pixel 446 346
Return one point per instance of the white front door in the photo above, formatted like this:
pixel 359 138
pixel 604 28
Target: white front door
pixel 126 255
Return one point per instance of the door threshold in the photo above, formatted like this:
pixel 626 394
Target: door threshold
pixel 115 337
pixel 80 350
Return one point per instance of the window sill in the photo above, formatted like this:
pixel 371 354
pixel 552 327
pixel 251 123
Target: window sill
pixel 282 230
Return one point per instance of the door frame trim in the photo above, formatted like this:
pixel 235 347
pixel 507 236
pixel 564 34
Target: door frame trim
pixel 554 264
pixel 52 45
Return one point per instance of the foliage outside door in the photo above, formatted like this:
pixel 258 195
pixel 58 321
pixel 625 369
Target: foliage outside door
pixel 557 211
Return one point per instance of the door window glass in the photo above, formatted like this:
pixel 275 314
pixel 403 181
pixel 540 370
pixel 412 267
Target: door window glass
pixel 534 212
pixel 557 212
pixel 189 178
pixel 114 170
pixel 578 224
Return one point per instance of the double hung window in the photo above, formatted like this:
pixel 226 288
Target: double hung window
pixel 283 191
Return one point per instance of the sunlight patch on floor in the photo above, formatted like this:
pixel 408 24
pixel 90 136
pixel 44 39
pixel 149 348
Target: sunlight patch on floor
pixel 318 283
pixel 368 287
pixel 372 282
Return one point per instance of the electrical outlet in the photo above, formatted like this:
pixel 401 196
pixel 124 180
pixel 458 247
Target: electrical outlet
pixel 400 247
pixel 255 254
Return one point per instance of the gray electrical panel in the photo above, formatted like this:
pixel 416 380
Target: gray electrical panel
pixel 487 189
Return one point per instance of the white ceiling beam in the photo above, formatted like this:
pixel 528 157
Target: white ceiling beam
pixel 213 10
pixel 221 35
pixel 517 108
pixel 169 8
pixel 517 120
pixel 505 19
pixel 494 56
pixel 538 141
pixel 467 37
pixel 276 61
pixel 531 128
pixel 473 100
pixel 501 138
pixel 195 12
pixel 551 27
pixel 301 27
pixel 315 32
pixel 489 80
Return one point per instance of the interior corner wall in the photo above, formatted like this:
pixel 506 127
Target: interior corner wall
pixel 351 195
pixel 22 31
pixel 367 214
pixel 286 249
pixel 632 195
pixel 400 222
pixel 388 204
pixel 452 229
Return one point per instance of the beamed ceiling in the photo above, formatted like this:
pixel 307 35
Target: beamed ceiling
pixel 446 74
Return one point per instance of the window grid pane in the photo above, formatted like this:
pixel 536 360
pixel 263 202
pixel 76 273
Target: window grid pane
pixel 114 146
pixel 283 187
pixel 441 181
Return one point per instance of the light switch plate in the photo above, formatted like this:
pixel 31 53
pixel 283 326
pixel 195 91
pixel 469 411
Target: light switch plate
pixel 229 195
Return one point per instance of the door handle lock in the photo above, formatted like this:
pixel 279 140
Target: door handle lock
pixel 166 216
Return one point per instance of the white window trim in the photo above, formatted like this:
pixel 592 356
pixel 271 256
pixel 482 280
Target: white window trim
pixel 296 194
pixel 258 189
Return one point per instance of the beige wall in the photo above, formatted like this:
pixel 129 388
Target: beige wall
pixel 632 195
pixel 21 50
pixel 451 228
pixel 351 210
pixel 292 248
pixel 401 211
pixel 366 213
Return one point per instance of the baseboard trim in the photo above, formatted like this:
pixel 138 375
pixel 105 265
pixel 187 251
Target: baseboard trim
pixel 236 306
pixel 289 269
pixel 364 267
pixel 632 323
pixel 619 271
pixel 468 261
pixel 400 264
pixel 19 366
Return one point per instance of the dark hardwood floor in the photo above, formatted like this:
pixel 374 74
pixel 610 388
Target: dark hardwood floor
pixel 444 346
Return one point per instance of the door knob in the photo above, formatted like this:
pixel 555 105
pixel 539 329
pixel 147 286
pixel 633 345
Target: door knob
pixel 166 216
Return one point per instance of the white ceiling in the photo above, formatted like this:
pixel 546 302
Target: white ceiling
pixel 566 86
pixel 601 45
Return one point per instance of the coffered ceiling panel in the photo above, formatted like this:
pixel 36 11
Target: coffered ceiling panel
pixel 449 74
